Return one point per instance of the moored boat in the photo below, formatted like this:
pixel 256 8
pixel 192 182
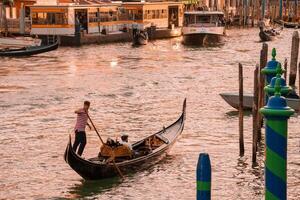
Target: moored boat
pixel 266 36
pixel 147 152
pixel 140 38
pixel 233 100
pixel 287 24
pixel 28 51
pixel 203 27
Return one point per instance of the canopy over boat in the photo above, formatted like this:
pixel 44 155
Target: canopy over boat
pixel 147 152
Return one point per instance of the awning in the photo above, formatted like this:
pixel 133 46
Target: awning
pixel 190 1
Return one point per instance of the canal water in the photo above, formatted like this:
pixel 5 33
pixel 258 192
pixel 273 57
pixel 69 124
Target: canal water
pixel 135 91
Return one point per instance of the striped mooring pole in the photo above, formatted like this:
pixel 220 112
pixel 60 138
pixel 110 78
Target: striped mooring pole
pixel 277 114
pixel 203 177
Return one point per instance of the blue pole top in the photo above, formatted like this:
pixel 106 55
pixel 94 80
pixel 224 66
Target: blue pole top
pixel 277 106
pixel 204 168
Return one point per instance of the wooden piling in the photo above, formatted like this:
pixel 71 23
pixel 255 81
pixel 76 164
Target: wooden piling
pixel 285 69
pixel 255 120
pixel 261 85
pixel 241 111
pixel 294 59
pixel 299 84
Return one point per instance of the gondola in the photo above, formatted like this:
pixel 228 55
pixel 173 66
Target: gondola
pixel 28 51
pixel 233 100
pixel 140 38
pixel 147 152
pixel 266 35
pixel 287 24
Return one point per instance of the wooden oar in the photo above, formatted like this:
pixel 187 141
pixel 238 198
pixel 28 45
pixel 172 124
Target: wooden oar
pixel 113 161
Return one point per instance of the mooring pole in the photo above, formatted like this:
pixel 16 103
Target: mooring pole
pixel 276 113
pixel 255 123
pixel 294 59
pixel 261 83
pixel 203 174
pixel 241 111
pixel 285 68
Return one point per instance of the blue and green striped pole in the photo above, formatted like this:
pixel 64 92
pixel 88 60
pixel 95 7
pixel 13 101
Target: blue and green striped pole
pixel 203 177
pixel 277 114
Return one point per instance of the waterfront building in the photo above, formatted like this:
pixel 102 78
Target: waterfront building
pixel 104 18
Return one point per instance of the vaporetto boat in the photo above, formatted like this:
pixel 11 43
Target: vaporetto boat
pixel 203 27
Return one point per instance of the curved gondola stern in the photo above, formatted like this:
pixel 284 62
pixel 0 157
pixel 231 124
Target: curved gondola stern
pixel 69 146
pixel 184 109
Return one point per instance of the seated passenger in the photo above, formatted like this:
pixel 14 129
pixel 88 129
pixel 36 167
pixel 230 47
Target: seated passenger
pixel 125 142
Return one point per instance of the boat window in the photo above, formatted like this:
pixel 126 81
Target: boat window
pixel 49 18
pixel 202 19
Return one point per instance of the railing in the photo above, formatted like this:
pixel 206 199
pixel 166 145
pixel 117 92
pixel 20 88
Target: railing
pixel 14 26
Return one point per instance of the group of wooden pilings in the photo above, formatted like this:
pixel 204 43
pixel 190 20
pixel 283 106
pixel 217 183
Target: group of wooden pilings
pixel 273 107
pixel 259 96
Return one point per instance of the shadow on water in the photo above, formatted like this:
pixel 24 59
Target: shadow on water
pixel 91 188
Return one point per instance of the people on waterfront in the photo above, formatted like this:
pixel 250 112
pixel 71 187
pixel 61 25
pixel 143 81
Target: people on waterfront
pixel 81 123
pixel 135 27
pixel 124 141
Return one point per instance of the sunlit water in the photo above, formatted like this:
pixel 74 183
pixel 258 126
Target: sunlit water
pixel 135 91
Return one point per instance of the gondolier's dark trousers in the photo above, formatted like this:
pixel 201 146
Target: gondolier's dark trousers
pixel 80 139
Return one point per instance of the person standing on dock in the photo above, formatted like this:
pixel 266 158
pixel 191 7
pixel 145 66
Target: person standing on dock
pixel 81 123
pixel 135 27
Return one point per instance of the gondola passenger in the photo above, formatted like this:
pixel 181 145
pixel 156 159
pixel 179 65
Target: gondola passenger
pixel 81 123
pixel 124 141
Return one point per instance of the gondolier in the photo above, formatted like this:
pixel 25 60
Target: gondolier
pixel 81 123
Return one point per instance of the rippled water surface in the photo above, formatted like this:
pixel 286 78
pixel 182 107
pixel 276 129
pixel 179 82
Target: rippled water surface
pixel 136 91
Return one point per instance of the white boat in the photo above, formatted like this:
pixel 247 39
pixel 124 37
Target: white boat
pixel 203 27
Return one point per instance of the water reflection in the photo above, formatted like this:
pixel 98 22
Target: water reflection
pixel 92 188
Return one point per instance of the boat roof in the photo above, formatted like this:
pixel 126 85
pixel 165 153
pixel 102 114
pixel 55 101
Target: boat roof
pixel 204 13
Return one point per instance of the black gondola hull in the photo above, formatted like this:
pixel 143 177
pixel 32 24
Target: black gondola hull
pixel 29 51
pixel 94 171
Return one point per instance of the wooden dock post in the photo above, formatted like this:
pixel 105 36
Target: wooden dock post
pixel 261 85
pixel 285 68
pixel 241 111
pixel 255 120
pixel 203 174
pixel 294 59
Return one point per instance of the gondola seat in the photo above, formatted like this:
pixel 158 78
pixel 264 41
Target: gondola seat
pixel 117 152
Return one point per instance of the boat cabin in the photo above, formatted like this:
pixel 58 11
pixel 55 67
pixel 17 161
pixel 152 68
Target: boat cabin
pixel 104 18
pixel 204 18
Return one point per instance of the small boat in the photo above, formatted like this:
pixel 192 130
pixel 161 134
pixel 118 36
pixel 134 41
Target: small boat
pixel 266 35
pixel 147 152
pixel 287 24
pixel 28 51
pixel 203 27
pixel 233 100
pixel 140 38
